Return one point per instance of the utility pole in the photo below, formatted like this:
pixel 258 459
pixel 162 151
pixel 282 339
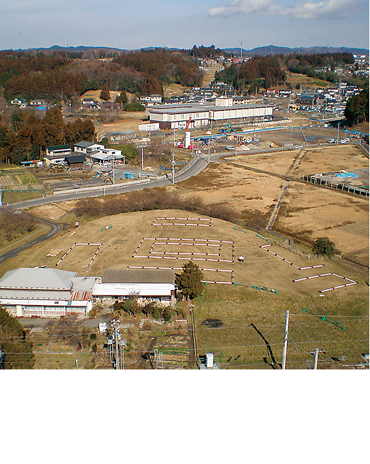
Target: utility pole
pixel 117 336
pixel 173 168
pixel 241 50
pixel 156 358
pixel 316 359
pixel 338 133
pixel 123 344
pixel 113 169
pixel 285 339
pixel 142 158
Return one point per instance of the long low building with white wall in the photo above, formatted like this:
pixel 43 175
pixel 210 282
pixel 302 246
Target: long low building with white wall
pixel 42 292
pixel 50 293
pixel 177 116
pixel 142 284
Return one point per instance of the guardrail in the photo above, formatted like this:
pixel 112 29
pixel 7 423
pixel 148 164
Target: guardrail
pixel 103 187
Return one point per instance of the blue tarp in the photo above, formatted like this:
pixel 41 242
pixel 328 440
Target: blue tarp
pixel 346 174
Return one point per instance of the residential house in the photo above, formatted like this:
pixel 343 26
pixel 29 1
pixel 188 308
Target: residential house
pixel 75 162
pixel 87 147
pixel 151 99
pixel 58 150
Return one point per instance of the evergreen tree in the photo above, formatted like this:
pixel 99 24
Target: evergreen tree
pixel 105 94
pixel 190 280
pixel 17 350
pixel 323 246
pixel 122 98
pixel 357 107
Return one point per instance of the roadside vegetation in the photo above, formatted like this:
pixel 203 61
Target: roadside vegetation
pixel 147 200
pixel 14 225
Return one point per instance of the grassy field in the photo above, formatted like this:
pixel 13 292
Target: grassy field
pixel 295 79
pixel 238 344
pixel 253 332
pixel 254 324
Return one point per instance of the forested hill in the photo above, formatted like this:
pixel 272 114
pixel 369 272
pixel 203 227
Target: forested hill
pixel 269 71
pixel 60 76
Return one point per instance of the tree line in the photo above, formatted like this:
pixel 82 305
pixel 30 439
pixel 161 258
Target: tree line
pixel 25 136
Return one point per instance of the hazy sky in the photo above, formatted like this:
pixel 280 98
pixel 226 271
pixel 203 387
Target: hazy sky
pixel 183 23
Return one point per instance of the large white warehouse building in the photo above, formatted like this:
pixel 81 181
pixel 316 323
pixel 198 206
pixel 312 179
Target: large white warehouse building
pixel 177 116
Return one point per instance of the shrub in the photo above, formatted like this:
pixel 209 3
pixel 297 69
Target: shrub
pixel 167 315
pixel 156 313
pixel 323 246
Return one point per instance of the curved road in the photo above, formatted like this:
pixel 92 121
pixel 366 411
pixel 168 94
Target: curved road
pixel 54 229
pixel 197 165
pixel 191 170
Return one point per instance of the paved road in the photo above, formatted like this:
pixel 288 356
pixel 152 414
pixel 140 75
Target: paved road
pixel 196 166
pixel 54 229
pixel 191 170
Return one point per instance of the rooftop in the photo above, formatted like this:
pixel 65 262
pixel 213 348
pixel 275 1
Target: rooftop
pixel 37 279
pixel 176 109
pixel 138 276
pixel 83 144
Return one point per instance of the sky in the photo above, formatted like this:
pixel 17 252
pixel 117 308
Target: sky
pixel 136 24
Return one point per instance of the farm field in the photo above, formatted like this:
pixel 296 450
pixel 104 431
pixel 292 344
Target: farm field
pixel 307 212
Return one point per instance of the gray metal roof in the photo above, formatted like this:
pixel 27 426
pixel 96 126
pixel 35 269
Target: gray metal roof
pixel 83 284
pixel 83 144
pixel 142 276
pixel 58 147
pixel 105 156
pixel 37 279
pixel 26 294
pixel 73 159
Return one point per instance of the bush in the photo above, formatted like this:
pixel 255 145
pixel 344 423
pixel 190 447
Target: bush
pixel 134 107
pixel 156 313
pixel 167 315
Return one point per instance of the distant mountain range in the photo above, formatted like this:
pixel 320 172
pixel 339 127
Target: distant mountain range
pixel 273 50
pixel 263 51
